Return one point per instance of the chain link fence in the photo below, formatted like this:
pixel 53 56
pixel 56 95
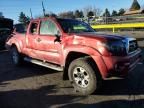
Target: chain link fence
pixel 117 19
pixel 118 23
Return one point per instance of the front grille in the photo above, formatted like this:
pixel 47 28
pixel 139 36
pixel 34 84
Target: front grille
pixel 132 46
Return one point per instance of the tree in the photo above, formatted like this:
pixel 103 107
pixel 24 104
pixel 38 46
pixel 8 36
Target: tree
pixel 86 10
pixel 52 14
pixel 1 15
pixel 121 12
pixel 78 14
pixel 90 14
pixel 48 14
pixel 81 14
pixel 97 11
pixel 106 13
pixel 114 13
pixel 23 18
pixel 135 6
pixel 68 14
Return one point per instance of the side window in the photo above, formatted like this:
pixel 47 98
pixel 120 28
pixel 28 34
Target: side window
pixel 48 28
pixel 33 28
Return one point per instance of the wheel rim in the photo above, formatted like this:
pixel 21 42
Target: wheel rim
pixel 81 77
pixel 15 57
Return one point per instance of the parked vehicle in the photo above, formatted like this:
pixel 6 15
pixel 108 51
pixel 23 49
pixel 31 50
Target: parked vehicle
pixel 4 34
pixel 20 28
pixel 6 26
pixel 85 56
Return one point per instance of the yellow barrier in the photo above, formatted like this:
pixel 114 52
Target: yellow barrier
pixel 113 26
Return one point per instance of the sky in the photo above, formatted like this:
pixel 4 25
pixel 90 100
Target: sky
pixel 12 8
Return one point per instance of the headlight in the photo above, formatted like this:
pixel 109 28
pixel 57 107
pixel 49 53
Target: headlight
pixel 116 47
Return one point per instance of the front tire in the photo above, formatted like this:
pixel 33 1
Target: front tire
pixel 82 76
pixel 16 56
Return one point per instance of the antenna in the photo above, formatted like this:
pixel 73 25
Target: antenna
pixel 31 13
pixel 43 8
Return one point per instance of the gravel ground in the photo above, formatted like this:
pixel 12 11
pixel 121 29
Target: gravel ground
pixel 32 86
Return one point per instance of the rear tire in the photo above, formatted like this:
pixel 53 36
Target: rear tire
pixel 17 59
pixel 82 76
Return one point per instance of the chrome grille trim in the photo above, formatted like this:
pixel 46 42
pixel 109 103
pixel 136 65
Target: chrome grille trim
pixel 128 44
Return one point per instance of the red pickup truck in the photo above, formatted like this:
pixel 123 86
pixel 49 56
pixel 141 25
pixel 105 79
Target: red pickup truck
pixel 86 57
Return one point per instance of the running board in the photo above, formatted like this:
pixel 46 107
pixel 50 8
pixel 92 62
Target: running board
pixel 45 64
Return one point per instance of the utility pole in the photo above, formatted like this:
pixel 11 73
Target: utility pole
pixel 43 8
pixel 105 17
pixel 31 13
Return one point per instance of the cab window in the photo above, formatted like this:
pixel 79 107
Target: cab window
pixel 33 28
pixel 48 28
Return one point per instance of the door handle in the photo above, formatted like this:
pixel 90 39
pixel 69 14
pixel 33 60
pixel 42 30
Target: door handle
pixel 38 40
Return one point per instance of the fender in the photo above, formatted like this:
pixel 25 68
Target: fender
pixel 80 49
pixel 93 53
pixel 16 42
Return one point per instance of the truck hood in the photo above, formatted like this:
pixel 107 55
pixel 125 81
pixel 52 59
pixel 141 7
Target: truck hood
pixel 102 36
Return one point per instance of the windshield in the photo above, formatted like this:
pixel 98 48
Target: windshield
pixel 74 26
pixel 20 28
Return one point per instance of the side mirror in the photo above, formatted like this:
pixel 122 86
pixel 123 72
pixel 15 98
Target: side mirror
pixel 58 35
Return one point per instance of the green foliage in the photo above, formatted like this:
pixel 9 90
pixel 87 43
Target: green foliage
pixel 68 14
pixel 90 14
pixel 106 13
pixel 50 14
pixel 135 6
pixel 78 14
pixel 81 14
pixel 46 15
pixel 114 13
pixel 121 12
pixel 53 15
pixel 1 15
pixel 23 18
pixel 72 14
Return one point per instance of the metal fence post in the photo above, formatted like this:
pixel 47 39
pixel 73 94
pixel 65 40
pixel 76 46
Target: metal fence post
pixel 113 30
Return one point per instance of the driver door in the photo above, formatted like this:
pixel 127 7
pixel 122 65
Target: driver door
pixel 32 41
pixel 46 44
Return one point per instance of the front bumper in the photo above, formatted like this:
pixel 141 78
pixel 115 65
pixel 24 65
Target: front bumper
pixel 121 66
pixel 117 66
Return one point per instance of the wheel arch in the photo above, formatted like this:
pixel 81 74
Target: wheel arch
pixel 75 55
pixel 15 45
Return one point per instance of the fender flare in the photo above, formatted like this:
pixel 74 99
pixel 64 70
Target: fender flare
pixel 16 43
pixel 80 49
